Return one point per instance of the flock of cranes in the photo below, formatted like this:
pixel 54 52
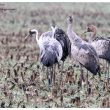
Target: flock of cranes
pixel 56 46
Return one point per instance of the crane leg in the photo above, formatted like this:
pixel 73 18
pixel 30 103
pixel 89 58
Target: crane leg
pixel 51 75
pixel 87 82
pixel 108 73
pixel 43 68
pixel 81 74
pixel 103 63
pixel 106 69
pixel 47 73
pixel 81 70
pixel 58 66
pixel 54 74
pixel 99 76
pixel 61 73
pixel 61 85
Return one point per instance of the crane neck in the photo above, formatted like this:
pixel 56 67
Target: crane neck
pixel 70 27
pixel 74 38
pixel 37 38
pixel 93 35
pixel 39 42
pixel 53 30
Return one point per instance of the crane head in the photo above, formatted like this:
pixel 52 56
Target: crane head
pixel 53 23
pixel 70 19
pixel 91 28
pixel 31 33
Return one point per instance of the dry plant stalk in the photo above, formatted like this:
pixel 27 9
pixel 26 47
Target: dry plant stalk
pixel 105 103
pixel 8 73
pixel 54 91
pixel 70 78
pixel 16 76
pixel 77 101
pixel 22 76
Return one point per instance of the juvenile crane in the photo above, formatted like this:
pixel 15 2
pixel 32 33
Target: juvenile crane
pixel 50 49
pixel 101 45
pixel 82 51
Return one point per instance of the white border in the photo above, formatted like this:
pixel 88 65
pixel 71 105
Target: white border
pixel 54 108
pixel 55 1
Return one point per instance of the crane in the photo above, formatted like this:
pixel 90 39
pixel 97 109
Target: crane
pixel 101 44
pixel 62 37
pixel 82 51
pixel 50 50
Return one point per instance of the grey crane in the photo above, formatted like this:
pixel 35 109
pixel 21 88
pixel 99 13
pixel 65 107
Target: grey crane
pixel 82 51
pixel 101 44
pixel 50 49
pixel 62 37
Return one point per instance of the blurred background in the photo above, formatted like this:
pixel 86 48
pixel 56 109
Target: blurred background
pixel 39 15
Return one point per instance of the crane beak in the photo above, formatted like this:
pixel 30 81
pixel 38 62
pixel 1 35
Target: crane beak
pixel 26 37
pixel 85 32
